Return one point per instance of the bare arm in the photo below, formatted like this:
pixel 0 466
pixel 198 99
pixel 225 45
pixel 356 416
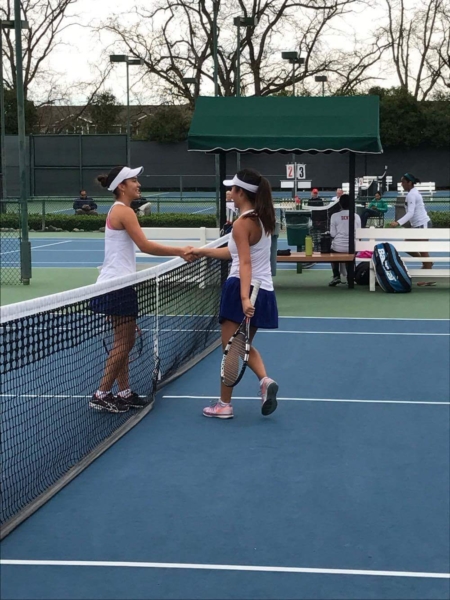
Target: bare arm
pixel 241 235
pixel 220 253
pixel 128 220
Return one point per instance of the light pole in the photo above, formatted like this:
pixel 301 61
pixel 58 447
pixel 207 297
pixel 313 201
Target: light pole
pixel 240 22
pixel 25 247
pixel 116 58
pixel 293 59
pixel 321 79
pixel 3 25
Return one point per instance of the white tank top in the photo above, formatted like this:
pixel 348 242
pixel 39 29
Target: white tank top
pixel 259 256
pixel 120 256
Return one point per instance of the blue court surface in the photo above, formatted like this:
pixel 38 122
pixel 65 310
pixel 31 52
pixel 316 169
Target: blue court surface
pixel 89 252
pixel 341 493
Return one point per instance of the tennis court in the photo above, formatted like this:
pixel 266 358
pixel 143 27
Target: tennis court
pixel 342 493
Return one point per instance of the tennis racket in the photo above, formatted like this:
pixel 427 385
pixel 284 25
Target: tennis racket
pixel 237 351
pixel 135 352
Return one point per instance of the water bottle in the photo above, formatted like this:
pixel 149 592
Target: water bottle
pixel 297 203
pixel 308 245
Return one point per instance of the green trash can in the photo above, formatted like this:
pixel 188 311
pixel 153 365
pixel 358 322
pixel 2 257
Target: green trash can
pixel 298 226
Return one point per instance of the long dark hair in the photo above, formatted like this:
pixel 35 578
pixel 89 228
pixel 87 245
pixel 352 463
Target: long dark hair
pixel 262 199
pixel 106 180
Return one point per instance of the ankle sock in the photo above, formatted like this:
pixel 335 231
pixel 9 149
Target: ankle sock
pixel 224 403
pixel 100 395
pixel 125 393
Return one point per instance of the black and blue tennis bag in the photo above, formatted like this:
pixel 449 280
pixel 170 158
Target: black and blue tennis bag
pixel 390 270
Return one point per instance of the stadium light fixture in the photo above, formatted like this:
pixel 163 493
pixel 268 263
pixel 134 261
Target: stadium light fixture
pixel 321 79
pixel 123 58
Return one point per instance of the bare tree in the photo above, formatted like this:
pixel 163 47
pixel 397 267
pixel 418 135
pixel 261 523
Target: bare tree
pixel 419 44
pixel 47 20
pixel 175 40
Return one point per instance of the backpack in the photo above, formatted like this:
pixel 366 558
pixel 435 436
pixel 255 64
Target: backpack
pixel 390 270
pixel 362 273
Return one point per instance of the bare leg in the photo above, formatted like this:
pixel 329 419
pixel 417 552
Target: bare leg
pixel 117 363
pixel 420 255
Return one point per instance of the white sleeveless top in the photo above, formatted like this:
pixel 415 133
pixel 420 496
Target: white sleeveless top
pixel 120 256
pixel 259 256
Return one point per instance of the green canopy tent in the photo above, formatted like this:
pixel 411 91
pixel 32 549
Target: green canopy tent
pixel 290 125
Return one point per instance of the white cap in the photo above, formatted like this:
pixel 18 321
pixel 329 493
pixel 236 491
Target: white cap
pixel 125 173
pixel 236 181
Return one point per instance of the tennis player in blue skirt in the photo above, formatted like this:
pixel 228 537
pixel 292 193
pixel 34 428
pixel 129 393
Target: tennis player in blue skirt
pixel 122 231
pixel 249 250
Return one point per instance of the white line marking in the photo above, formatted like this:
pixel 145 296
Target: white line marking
pixel 349 332
pixel 53 244
pixel 366 318
pixel 214 567
pixel 202 210
pixel 317 400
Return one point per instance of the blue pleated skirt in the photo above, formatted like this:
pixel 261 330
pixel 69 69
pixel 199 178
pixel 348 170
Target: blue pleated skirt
pixel 266 311
pixel 118 303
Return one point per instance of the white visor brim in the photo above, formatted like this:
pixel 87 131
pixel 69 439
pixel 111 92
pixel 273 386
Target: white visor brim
pixel 236 181
pixel 125 173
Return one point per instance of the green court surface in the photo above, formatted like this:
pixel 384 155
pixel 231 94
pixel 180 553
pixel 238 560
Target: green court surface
pixel 305 295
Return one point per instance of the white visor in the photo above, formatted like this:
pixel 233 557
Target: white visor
pixel 236 181
pixel 125 173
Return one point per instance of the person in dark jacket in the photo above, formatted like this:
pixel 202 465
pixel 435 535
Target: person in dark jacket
pixel 84 205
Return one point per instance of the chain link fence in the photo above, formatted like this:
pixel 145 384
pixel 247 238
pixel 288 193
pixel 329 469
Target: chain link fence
pixel 10 238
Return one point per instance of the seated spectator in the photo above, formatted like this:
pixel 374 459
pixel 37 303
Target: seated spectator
pixel 84 205
pixel 339 193
pixel 141 206
pixel 376 208
pixel 315 200
pixel 339 233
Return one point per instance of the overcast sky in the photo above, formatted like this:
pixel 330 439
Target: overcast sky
pixel 82 48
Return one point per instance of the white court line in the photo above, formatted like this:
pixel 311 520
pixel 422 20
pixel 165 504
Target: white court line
pixel 315 400
pixel 365 318
pixel 53 244
pixel 339 400
pixel 202 210
pixel 349 332
pixel 214 567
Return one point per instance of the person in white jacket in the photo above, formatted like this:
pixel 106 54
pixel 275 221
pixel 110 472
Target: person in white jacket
pixel 416 212
pixel 339 231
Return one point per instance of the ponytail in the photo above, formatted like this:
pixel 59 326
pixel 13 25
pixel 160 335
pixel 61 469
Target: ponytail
pixel 106 180
pixel 264 205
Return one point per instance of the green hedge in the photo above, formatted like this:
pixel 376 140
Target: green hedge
pixel 440 218
pixel 94 223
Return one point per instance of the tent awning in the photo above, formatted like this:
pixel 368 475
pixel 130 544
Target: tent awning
pixel 284 124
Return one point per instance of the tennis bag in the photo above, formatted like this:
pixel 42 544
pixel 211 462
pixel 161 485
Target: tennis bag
pixel 362 273
pixel 390 270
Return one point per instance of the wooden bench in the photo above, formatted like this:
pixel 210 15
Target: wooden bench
pixel 301 257
pixel 426 188
pixel 408 240
pixel 179 236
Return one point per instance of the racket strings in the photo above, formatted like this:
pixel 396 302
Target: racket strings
pixel 234 361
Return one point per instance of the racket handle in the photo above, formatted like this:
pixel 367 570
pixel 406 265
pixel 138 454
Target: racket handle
pixel 256 285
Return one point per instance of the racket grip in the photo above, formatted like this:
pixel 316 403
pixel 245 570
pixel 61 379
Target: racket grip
pixel 256 285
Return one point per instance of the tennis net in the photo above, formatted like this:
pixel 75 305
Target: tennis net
pixel 53 356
